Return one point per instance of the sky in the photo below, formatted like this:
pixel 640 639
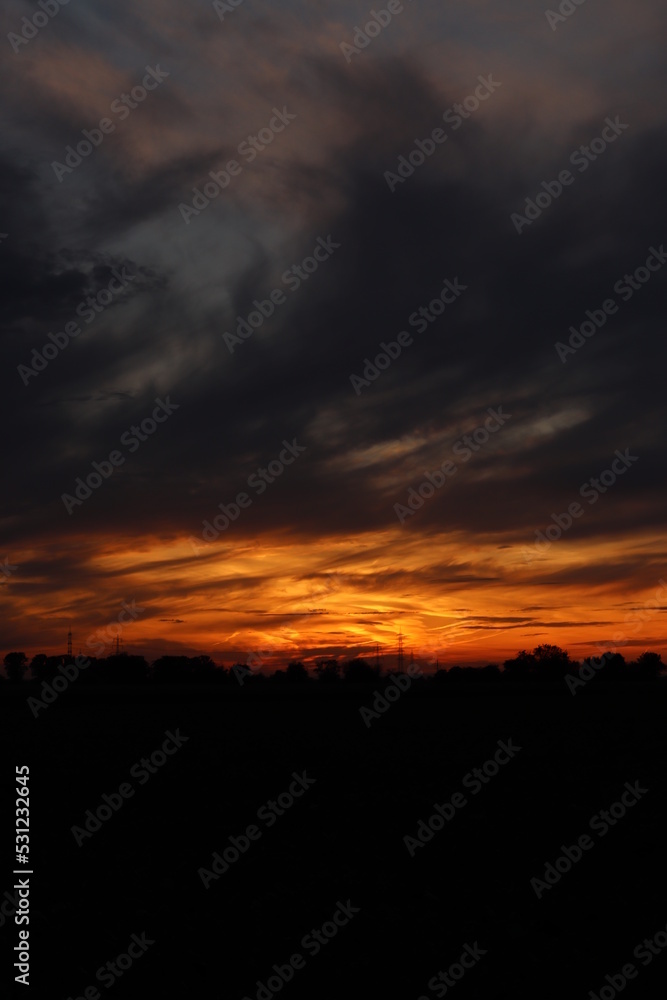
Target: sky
pixel 352 188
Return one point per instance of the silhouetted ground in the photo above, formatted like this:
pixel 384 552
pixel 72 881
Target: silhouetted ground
pixel 342 840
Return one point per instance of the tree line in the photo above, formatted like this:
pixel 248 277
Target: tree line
pixel 545 663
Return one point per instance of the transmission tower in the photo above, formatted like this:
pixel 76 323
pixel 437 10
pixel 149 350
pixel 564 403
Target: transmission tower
pixel 69 641
pixel 400 652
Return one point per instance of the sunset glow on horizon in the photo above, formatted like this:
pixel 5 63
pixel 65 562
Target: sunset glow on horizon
pixel 343 597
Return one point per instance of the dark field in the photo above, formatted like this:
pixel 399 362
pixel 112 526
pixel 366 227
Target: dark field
pixel 342 840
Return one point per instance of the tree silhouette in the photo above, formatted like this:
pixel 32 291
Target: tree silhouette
pixel 611 666
pixel 202 669
pixel 649 665
pixel 521 667
pixel 125 669
pixel 296 673
pixel 616 666
pixel 38 667
pixel 546 662
pixel 15 665
pixel 171 669
pixel 361 672
pixel 189 669
pixel 328 671
pixel 552 662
